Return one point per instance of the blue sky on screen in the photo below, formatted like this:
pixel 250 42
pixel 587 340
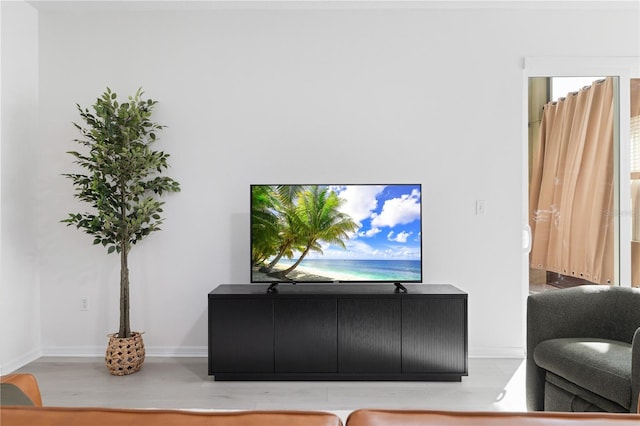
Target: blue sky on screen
pixel 389 223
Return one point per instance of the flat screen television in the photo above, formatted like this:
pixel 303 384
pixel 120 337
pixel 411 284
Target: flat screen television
pixel 336 233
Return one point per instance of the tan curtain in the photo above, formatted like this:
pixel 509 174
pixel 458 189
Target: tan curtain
pixel 571 194
pixel 635 181
pixel 635 97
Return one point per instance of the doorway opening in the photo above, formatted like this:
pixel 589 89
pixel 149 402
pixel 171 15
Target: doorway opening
pixel 573 181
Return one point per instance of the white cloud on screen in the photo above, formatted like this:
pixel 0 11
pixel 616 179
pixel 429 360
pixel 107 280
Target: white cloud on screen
pixel 399 211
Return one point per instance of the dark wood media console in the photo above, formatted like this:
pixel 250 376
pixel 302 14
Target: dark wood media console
pixel 338 332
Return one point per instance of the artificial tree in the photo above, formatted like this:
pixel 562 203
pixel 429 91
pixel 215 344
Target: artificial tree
pixel 123 181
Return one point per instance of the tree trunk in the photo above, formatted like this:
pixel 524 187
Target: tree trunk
pixel 125 327
pixel 273 263
pixel 295 265
pixel 125 324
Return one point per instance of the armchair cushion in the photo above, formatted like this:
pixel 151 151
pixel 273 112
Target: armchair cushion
pixel 599 365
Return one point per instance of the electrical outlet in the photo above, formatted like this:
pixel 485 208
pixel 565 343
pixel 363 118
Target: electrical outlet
pixel 84 303
pixel 480 207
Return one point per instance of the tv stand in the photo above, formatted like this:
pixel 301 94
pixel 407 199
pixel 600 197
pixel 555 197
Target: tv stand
pixel 400 288
pixel 272 288
pixel 337 332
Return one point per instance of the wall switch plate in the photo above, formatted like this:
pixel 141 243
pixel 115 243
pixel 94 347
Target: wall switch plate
pixel 480 207
pixel 84 303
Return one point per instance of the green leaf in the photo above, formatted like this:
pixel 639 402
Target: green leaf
pixel 111 249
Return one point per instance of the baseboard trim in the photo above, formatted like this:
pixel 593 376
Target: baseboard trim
pixel 487 352
pixel 157 351
pixel 13 365
pixel 182 351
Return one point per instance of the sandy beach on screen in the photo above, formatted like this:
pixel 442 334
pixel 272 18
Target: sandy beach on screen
pixel 302 274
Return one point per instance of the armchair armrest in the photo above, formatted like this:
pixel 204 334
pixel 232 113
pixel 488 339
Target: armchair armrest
pixel 635 372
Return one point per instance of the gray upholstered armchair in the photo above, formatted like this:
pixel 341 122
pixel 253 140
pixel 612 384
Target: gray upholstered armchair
pixel 583 349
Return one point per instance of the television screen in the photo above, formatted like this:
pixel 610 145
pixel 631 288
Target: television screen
pixel 336 233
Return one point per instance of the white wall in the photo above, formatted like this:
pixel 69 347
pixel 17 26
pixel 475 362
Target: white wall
pixel 19 288
pixel 309 94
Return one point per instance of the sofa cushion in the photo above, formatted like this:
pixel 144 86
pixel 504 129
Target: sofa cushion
pixel 599 365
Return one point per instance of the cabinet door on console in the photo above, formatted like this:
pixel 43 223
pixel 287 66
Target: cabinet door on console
pixel 305 335
pixel 240 336
pixel 434 335
pixel 369 336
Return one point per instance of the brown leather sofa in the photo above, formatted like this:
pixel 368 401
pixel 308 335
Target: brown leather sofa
pixel 36 414
pixel 58 416
pixel 468 418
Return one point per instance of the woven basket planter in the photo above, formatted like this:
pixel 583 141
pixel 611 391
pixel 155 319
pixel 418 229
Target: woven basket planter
pixel 125 355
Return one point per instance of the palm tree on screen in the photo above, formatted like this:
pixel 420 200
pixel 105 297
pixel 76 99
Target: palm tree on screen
pixel 264 222
pixel 319 219
pixel 287 223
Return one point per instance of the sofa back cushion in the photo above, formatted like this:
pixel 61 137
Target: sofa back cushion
pixel 461 418
pixel 50 416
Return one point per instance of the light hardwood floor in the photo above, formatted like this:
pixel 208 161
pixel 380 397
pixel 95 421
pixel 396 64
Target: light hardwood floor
pixel 183 383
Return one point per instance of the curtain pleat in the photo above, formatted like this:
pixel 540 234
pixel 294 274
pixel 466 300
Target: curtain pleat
pixel 571 194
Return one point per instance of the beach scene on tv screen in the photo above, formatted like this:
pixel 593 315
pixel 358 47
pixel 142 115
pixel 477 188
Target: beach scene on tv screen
pixel 336 233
